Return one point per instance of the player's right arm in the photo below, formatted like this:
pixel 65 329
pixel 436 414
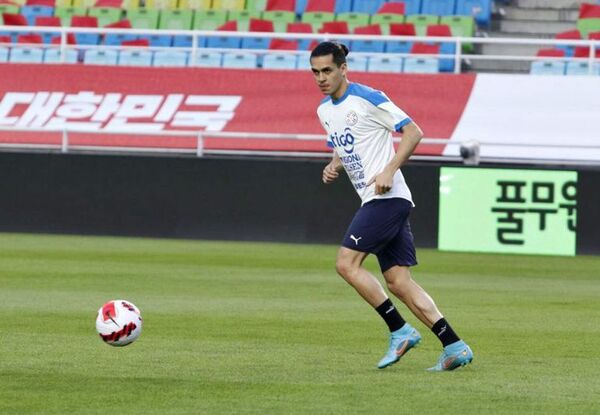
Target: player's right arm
pixel 333 169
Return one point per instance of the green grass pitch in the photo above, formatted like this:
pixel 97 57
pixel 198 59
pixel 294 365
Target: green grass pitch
pixel 251 328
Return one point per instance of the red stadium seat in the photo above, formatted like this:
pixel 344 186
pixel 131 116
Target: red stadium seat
pixel 438 30
pixel 402 29
pixel 136 42
pixel 259 25
pixel 30 38
pixel 582 52
pixel 230 26
pixel 281 5
pixel 53 21
pixel 5 39
pixel 84 21
pixel 327 6
pixel 554 53
pixel 121 24
pixel 340 28
pixel 392 8
pixel 594 35
pixel 420 48
pixel 283 44
pixel 372 29
pixel 117 4
pixel 588 10
pixel 70 39
pixel 14 19
pixel 299 27
pixel 569 35
pixel 49 3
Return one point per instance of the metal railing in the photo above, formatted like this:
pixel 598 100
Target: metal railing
pixel 459 56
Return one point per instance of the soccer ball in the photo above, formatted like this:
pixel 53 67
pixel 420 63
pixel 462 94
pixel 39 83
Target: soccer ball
pixel 119 323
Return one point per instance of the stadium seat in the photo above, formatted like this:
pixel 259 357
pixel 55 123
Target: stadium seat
pixel 222 42
pixel 343 6
pixel 373 46
pixel 366 6
pixel 177 20
pixel 26 55
pixel 408 7
pixel 53 55
pixel 279 61
pixel 357 63
pixel 135 58
pixel 383 63
pixel 304 61
pixel 30 38
pixel 323 6
pixel 4 52
pixel 208 60
pixel 438 7
pixel 588 25
pixel 573 68
pixel 568 35
pixel 257 25
pixel 239 60
pixel 552 52
pixel 303 44
pixel 421 21
pixel 400 46
pixel 420 65
pixel 105 15
pixel 547 68
pixel 336 28
pixel 300 6
pixel 143 18
pixel 48 21
pixel 481 10
pixel 170 58
pixel 100 57
pixel 446 48
pixel 316 19
pixel 256 5
pixel 228 4
pixel 279 18
pixel 589 11
pixel 31 12
pixel 87 22
pixel 243 17
pixel 210 19
pixel 9 9
pixel 281 5
pixel 66 13
pixel 283 44
pixel 461 26
pixel 195 4
pixel 15 19
pixel 353 20
pixel 160 4
pixel 117 39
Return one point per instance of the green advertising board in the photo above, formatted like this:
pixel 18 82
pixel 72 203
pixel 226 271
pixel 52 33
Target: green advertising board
pixel 508 211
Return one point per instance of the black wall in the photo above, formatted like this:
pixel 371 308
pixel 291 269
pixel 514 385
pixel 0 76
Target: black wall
pixel 239 199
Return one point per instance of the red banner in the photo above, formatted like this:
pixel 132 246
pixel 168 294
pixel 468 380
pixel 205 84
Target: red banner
pixel 100 98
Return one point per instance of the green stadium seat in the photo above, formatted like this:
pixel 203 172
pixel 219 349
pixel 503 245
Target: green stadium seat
pixel 64 3
pixel 316 19
pixel 9 9
pixel 421 21
pixel 385 20
pixel 354 19
pixel 229 4
pixel 194 4
pixel 143 18
pixel 176 19
pixel 280 19
pixel 242 17
pixel 256 5
pixel 65 14
pixel 105 15
pixel 461 26
pixel 586 26
pixel 210 19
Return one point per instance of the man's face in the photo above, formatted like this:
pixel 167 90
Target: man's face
pixel 328 75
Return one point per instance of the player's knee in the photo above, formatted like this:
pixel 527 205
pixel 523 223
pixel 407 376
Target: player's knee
pixel 345 268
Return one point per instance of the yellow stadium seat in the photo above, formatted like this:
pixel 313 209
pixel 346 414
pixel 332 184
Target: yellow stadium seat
pixel 82 3
pixel 195 4
pixel 229 4
pixel 162 4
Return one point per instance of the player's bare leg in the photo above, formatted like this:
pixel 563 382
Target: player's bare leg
pixel 456 352
pixel 403 336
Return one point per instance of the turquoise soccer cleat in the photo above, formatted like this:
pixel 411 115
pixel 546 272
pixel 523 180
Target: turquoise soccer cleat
pixel 401 341
pixel 454 355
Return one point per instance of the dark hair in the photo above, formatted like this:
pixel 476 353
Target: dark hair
pixel 338 50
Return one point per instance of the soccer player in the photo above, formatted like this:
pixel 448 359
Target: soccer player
pixel 359 122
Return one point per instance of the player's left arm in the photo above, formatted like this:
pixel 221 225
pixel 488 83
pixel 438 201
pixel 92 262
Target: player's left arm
pixel 411 135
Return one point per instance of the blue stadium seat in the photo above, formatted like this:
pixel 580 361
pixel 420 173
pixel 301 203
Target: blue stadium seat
pixel 31 12
pixel 385 64
pixel 3 54
pixel 135 58
pixel 279 61
pixel 26 55
pixel 240 60
pixel 343 6
pixel 421 65
pixel 373 46
pixel 357 63
pixel 220 42
pixel 113 39
pixel 170 58
pixel 300 6
pixel 160 41
pixel 367 6
pixel 100 57
pixel 438 7
pixel 53 56
pixel 182 41
pixel 447 48
pixel 547 68
pixel 481 10
pixel 412 6
pixel 208 60
pixel 577 68
pixel 304 62
pixel 398 46
pixel 255 43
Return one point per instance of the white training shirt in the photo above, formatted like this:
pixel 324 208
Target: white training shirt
pixel 359 126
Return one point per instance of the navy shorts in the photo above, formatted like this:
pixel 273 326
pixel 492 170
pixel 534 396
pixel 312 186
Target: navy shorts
pixel 381 227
